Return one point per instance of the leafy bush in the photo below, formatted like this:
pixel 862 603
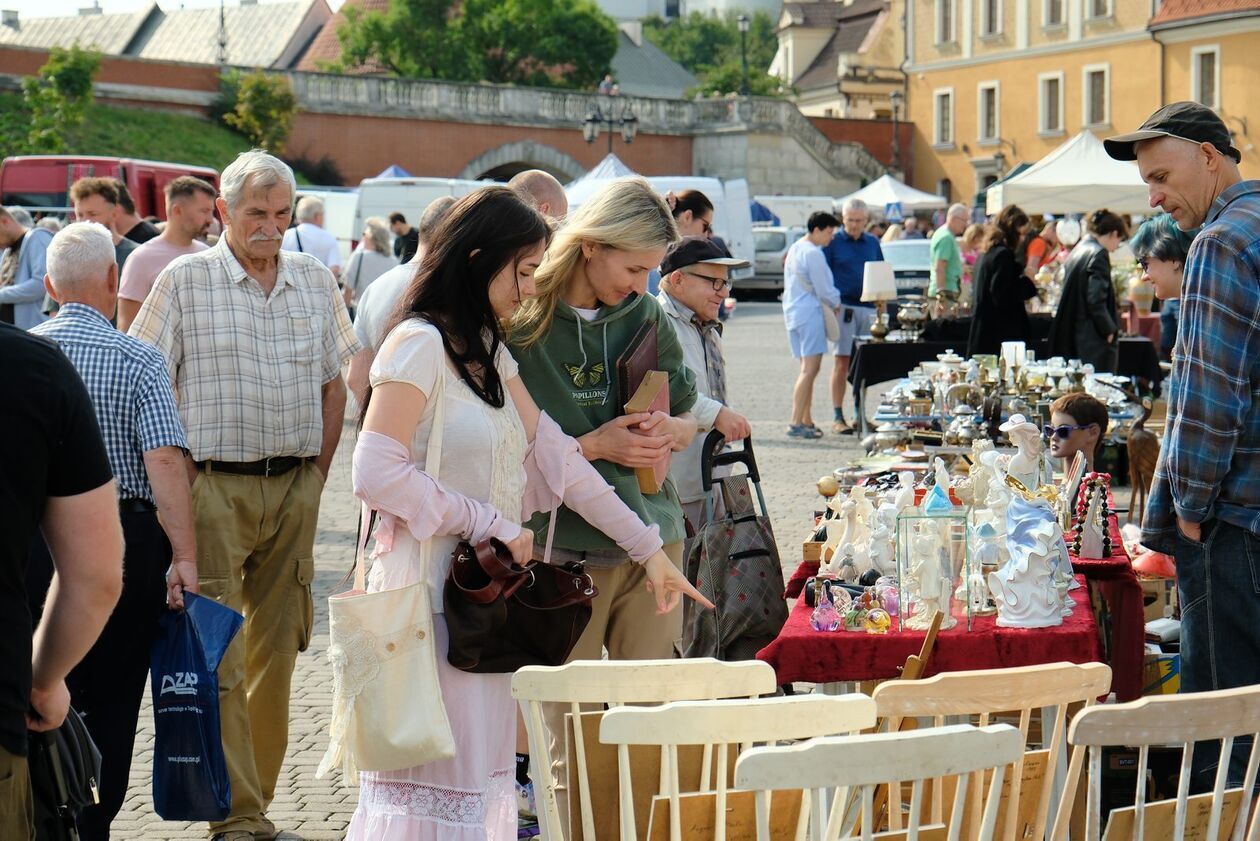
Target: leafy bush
pixel 264 110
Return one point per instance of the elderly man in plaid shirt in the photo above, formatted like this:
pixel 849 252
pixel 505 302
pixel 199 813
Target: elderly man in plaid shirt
pixel 254 339
pixel 1205 503
pixel 144 440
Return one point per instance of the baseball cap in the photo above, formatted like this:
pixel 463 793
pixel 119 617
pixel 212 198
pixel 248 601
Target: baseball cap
pixel 1183 120
pixel 693 250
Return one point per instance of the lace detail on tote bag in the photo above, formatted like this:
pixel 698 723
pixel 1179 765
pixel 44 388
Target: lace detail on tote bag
pixel 355 664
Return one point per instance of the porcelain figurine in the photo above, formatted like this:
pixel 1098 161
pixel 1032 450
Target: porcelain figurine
pixel 1027 464
pixel 883 549
pixel 929 572
pixel 1025 587
pixel 847 570
pixel 904 497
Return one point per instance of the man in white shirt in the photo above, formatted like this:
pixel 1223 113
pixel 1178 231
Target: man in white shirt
pixel 378 302
pixel 808 286
pixel 309 236
pixel 694 282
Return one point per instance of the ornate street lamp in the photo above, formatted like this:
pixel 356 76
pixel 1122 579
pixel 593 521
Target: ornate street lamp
pixel 605 115
pixel 744 24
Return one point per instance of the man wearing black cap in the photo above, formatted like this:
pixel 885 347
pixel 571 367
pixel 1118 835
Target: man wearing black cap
pixel 1205 502
pixel 693 286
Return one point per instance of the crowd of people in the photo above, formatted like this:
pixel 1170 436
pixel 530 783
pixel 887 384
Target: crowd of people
pixel 189 453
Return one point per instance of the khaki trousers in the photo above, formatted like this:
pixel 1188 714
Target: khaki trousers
pixel 623 621
pixel 255 547
pixel 17 808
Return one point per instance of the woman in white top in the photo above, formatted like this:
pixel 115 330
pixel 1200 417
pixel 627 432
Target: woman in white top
pixel 369 261
pixel 501 459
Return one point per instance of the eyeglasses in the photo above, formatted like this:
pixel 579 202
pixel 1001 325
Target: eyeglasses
pixel 707 228
pixel 1145 263
pixel 1064 431
pixel 719 283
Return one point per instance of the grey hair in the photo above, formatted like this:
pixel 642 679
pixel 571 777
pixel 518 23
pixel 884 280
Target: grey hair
pixel 958 209
pixel 308 207
pixel 854 205
pixel 52 223
pixel 79 254
pixel 257 170
pixel 376 230
pixel 21 216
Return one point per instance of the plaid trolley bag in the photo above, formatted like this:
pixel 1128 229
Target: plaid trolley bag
pixel 734 561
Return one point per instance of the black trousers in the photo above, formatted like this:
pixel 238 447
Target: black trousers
pixel 108 685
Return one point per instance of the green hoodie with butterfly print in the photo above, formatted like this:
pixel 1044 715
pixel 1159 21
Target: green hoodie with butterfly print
pixel 571 374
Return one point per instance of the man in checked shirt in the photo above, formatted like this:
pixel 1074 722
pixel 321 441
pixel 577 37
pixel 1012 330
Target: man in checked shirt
pixel 1205 503
pixel 254 339
pixel 144 439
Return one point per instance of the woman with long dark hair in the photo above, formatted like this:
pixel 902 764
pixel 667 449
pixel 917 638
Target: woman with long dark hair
pixel 444 367
pixel 1087 323
pixel 1000 287
pixel 693 215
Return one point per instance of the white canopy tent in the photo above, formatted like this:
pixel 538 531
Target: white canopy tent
pixel 887 190
pixel 1077 177
pixel 611 167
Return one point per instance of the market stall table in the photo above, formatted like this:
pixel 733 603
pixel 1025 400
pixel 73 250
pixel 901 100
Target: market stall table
pixel 800 653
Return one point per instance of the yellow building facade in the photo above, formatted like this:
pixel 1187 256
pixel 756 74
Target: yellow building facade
pixel 993 83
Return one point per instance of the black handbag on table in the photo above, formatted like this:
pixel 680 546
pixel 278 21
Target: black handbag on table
pixel 501 616
pixel 65 769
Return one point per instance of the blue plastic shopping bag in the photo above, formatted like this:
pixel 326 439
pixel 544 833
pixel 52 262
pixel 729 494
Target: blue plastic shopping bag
pixel 190 779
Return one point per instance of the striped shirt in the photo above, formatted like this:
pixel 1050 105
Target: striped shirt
pixel 248 366
pixel 1209 466
pixel 130 391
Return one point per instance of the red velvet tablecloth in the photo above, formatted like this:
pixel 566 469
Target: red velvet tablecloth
pixel 800 653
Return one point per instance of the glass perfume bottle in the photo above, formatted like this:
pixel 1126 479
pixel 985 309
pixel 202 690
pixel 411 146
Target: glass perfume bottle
pixel 825 616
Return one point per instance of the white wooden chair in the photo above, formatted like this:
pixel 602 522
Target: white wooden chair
pixel 867 762
pixel 718 725
pixel 598 683
pixel 980 695
pixel 1178 720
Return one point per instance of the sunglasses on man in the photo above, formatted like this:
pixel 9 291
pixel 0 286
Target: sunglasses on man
pixel 1064 431
pixel 719 283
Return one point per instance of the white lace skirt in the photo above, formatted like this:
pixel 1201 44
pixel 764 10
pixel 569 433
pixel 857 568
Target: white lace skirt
pixel 469 797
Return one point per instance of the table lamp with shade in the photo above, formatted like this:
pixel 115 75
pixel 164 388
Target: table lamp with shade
pixel 879 285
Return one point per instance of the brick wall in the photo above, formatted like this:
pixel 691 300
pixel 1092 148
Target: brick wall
pixel 875 135
pixel 21 61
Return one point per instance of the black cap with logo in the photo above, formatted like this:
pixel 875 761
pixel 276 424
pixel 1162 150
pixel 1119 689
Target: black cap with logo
pixel 1184 120
pixel 692 250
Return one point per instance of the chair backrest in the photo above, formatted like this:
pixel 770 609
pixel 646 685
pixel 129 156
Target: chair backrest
pixel 979 696
pixel 867 762
pixel 614 683
pixel 1179 720
pixel 718 725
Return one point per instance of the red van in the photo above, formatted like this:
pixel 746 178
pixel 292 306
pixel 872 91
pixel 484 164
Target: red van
pixel 41 183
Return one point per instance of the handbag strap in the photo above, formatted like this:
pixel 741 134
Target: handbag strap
pixel 432 466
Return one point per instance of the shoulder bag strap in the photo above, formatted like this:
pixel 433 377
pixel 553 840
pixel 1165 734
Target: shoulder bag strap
pixel 298 237
pixel 432 466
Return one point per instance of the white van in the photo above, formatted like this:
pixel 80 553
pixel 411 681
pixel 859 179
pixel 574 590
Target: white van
pixel 795 210
pixel 732 215
pixel 340 204
pixel 408 196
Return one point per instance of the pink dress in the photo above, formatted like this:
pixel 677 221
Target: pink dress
pixel 469 797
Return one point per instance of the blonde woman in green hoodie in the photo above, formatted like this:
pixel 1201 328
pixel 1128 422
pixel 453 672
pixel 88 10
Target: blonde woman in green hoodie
pixel 590 302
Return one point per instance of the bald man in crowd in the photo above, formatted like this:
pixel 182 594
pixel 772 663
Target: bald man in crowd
pixel 542 192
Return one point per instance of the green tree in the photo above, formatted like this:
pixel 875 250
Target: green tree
pixel 264 110
pixel 545 43
pixel 55 100
pixel 709 47
pixel 554 43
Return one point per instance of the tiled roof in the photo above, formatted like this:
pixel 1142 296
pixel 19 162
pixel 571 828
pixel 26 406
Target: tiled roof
pixel 326 48
pixel 643 70
pixel 824 14
pixel 851 30
pixel 258 35
pixel 1182 12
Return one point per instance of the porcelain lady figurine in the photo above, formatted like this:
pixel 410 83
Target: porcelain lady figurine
pixel 931 581
pixel 1025 588
pixel 1026 465
pixel 883 552
pixel 904 497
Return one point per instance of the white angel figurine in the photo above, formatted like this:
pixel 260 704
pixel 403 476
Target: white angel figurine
pixel 905 491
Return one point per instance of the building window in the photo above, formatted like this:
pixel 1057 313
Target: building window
pixel 1097 8
pixel 1050 120
pixel 945 189
pixel 990 17
pixel 1096 91
pixel 1054 14
pixel 987 127
pixel 1205 75
pixel 943 111
pixel 945 21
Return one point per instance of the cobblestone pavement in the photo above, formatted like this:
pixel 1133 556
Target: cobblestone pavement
pixel 761 373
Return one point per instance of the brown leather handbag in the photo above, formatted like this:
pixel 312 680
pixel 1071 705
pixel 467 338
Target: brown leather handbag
pixel 501 616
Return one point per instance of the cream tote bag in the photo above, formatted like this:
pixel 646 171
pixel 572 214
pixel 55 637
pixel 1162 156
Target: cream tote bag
pixel 387 705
